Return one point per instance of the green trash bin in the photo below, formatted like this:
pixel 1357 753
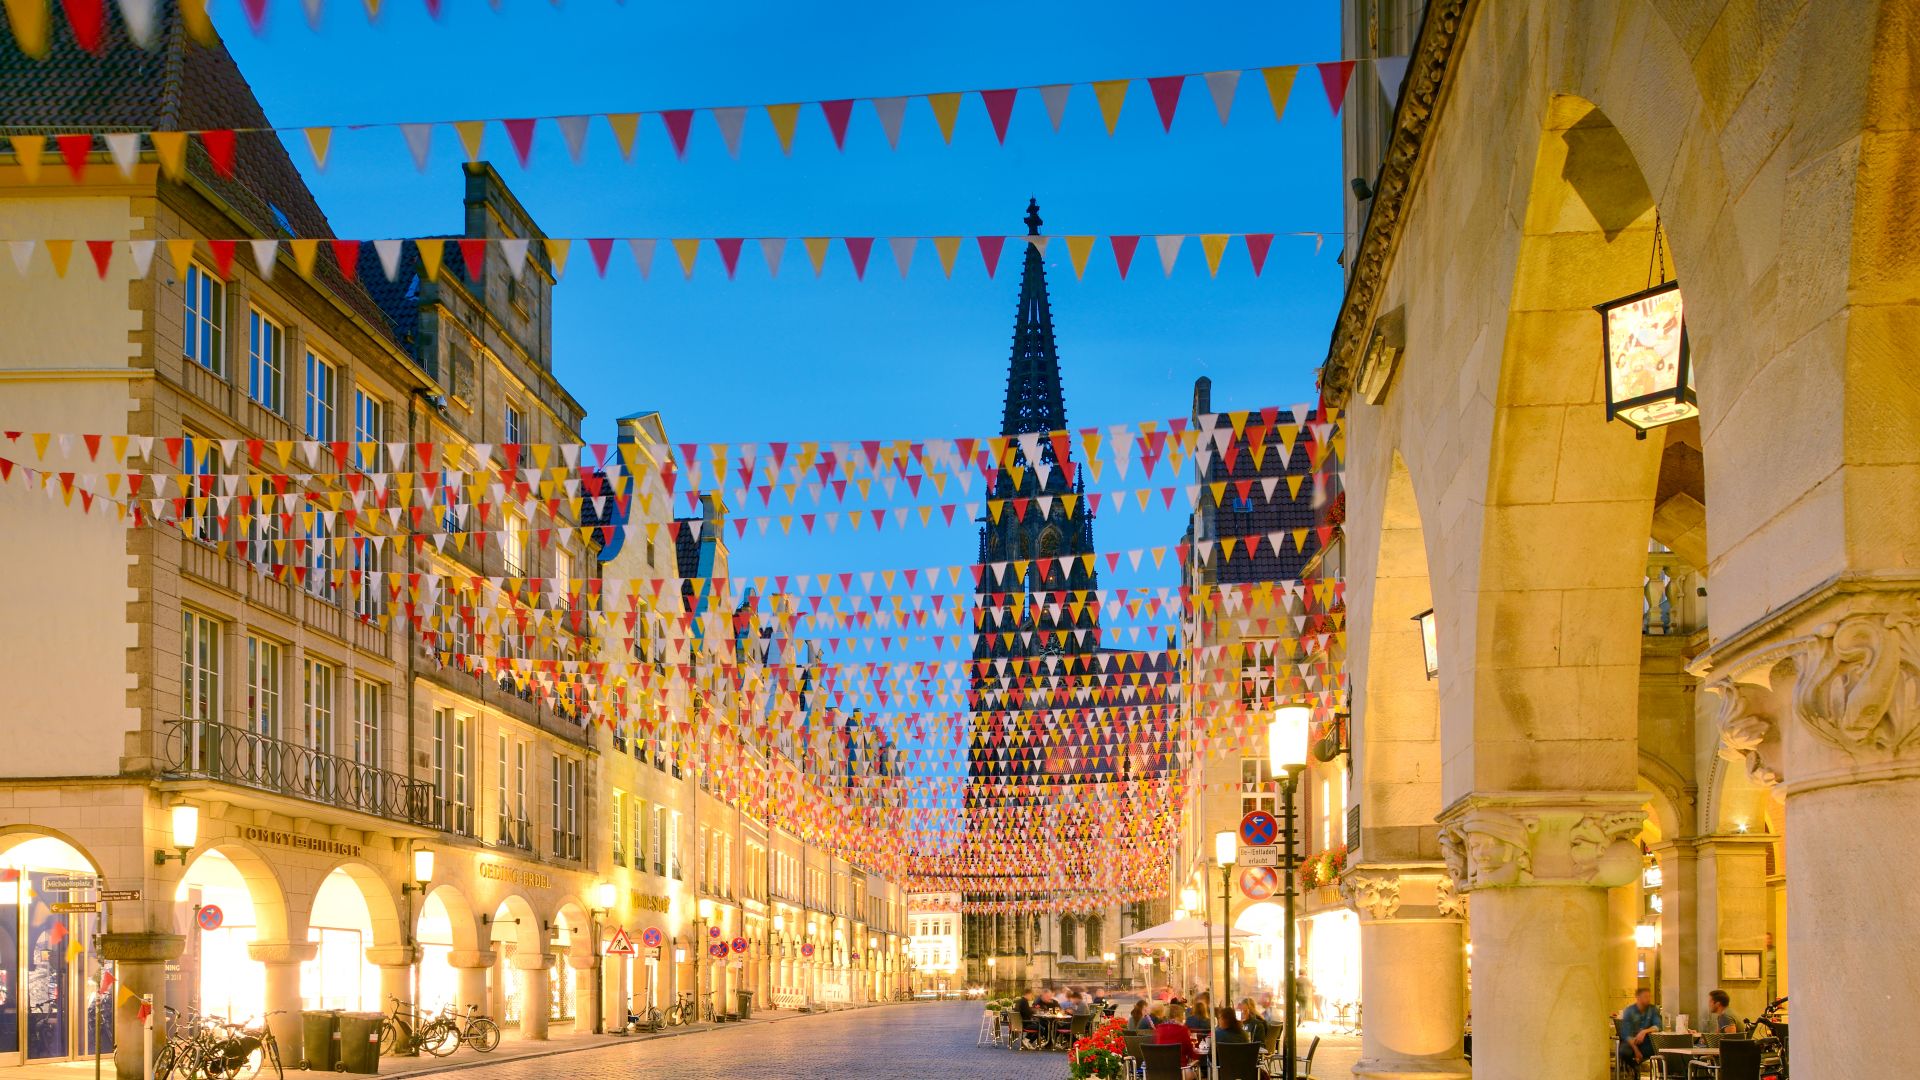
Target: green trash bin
pixel 746 1005
pixel 360 1042
pixel 320 1039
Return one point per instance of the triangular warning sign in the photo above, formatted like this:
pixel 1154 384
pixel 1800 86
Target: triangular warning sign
pixel 620 944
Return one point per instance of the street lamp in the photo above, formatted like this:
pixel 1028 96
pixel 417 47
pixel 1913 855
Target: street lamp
pixel 422 869
pixel 186 833
pixel 1648 365
pixel 1287 753
pixel 1429 646
pixel 604 897
pixel 703 914
pixel 1225 852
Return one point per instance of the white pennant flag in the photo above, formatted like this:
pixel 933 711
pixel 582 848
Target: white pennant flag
pixel 125 148
pixel 263 255
pixel 1169 251
pixel 903 251
pixel 772 248
pixel 731 120
pixel 891 110
pixel 22 253
pixel 313 13
pixel 1392 70
pixel 389 252
pixel 419 141
pixel 1221 84
pixel 573 129
pixel 515 251
pixel 642 247
pixel 1055 98
pixel 138 15
pixel 142 251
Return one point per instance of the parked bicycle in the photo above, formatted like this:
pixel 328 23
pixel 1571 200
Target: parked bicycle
pixel 648 1019
pixel 200 1047
pixel 473 1028
pixel 406 1030
pixel 682 1011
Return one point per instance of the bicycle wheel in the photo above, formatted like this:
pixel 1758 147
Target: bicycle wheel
pixel 163 1062
pixel 483 1035
pixel 393 1036
pixel 440 1038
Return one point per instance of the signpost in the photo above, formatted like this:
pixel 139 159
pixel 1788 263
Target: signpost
pixel 75 907
pixel 210 917
pixel 68 883
pixel 1259 829
pixel 1265 855
pixel 650 937
pixel 620 944
pixel 114 896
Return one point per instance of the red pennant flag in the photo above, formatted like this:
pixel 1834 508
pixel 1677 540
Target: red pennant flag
pixel 1166 96
pixel 222 251
pixel 729 252
pixel 347 254
pixel 990 251
pixel 75 149
pixel 837 114
pixel 473 253
pixel 520 134
pixel 433 8
pixel 88 18
pixel 1257 245
pixel 999 109
pixel 858 248
pixel 256 14
pixel 219 144
pixel 602 248
pixel 102 251
pixel 679 122
pixel 1334 75
pixel 1123 247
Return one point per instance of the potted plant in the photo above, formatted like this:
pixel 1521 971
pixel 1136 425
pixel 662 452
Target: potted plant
pixel 1099 1056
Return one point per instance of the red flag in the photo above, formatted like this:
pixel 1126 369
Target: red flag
pixel 990 251
pixel 88 18
pixel 1334 75
pixel 837 114
pixel 679 122
pixel 858 248
pixel 347 254
pixel 602 248
pixel 222 251
pixel 473 254
pixel 219 144
pixel 729 252
pixel 999 109
pixel 520 134
pixel 1257 245
pixel 1166 96
pixel 102 251
pixel 1123 247
pixel 256 14
pixel 75 149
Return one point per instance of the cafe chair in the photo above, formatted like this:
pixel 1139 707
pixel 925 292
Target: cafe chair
pixel 1162 1062
pixel 1305 1070
pixel 1238 1061
pixel 1663 1066
pixel 1133 1041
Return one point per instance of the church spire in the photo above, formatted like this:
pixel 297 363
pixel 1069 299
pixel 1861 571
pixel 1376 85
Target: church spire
pixel 1034 398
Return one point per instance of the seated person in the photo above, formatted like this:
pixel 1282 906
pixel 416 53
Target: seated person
pixel 1635 1024
pixel 1198 1013
pixel 1023 1005
pixel 1156 1015
pixel 1077 1005
pixel 1227 1027
pixel 1719 1021
pixel 1175 1031
pixel 1251 1019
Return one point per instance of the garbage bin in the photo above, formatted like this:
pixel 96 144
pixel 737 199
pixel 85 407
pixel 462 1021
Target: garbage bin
pixel 320 1039
pixel 746 1004
pixel 360 1042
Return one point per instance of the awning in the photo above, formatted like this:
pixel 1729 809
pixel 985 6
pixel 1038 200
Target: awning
pixel 1187 931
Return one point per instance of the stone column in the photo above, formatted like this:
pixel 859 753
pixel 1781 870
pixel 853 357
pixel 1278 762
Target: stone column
pixel 282 960
pixel 1823 703
pixel 473 965
pixel 140 966
pixel 1413 971
pixel 535 992
pixel 1539 865
pixel 396 971
pixel 1623 951
pixel 583 1005
pixel 1734 914
pixel 1680 931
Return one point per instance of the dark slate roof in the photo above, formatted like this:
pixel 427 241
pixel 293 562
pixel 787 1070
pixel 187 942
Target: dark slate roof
pixel 178 85
pixel 1258 514
pixel 399 298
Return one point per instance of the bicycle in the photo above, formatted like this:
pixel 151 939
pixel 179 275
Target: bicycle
pixel 650 1019
pixel 243 1050
pixel 474 1029
pixel 408 1031
pixel 682 1011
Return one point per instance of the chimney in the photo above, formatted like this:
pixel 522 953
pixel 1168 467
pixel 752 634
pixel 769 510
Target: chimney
pixel 1202 396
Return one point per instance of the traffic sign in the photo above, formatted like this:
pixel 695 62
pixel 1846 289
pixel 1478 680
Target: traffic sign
pixel 739 944
pixel 650 937
pixel 807 949
pixel 1264 855
pixel 67 883
pixel 713 931
pixel 1259 829
pixel 210 917
pixel 1259 882
pixel 113 896
pixel 619 944
pixel 75 907
pixel 718 950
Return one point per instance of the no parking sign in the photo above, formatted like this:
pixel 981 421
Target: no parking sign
pixel 210 917
pixel 1259 882
pixel 650 937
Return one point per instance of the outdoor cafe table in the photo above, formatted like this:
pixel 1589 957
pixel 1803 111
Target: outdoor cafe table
pixel 1690 1054
pixel 1051 1024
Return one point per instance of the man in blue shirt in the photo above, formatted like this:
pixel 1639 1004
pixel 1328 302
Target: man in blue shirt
pixel 1636 1020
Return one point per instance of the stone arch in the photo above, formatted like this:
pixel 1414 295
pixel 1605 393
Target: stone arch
pixel 12 836
pixel 572 914
pixel 273 918
pixel 463 922
pixel 383 910
pixel 524 933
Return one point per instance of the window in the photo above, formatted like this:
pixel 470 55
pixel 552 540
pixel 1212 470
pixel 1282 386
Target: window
pixel 320 558
pixel 264 533
pixel 463 755
pixel 520 795
pixel 563 575
pixel 318 691
pixel 1256 786
pixel 368 726
pixel 369 580
pixel 1326 815
pixel 573 808
pixel 514 544
pixel 637 818
pixel 323 388
pixel 502 807
pixel 199 667
pixel 515 428
pixel 453 769
pixel 706 859
pixel 205 315
pixel 199 458
pixel 263 687
pixel 617 828
pixel 673 844
pixel 369 426
pixel 266 366
pixel 726 867
pixel 555 814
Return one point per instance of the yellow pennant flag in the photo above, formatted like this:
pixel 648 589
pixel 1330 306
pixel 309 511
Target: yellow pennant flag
pixel 624 125
pixel 470 132
pixel 303 253
pixel 557 255
pixel 949 248
pixel 28 18
pixel 1215 245
pixel 181 252
pixel 688 250
pixel 1111 95
pixel 784 117
pixel 946 109
pixel 59 251
pixel 1078 249
pixel 27 151
pixel 1279 85
pixel 816 251
pixel 319 141
pixel 431 252
pixel 171 148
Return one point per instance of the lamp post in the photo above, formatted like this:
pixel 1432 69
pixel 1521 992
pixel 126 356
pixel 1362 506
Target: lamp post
pixel 422 872
pixel 186 833
pixel 604 896
pixel 1225 851
pixel 993 977
pixel 1287 751
pixel 1190 904
pixel 703 914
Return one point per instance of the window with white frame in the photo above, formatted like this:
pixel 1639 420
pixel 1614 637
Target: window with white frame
pixel 673 844
pixel 617 827
pixel 563 574
pixel 515 432
pixel 317 687
pixel 503 821
pixel 555 817
pixel 637 818
pixel 369 426
pixel 320 560
pixel 369 727
pixel 514 544
pixel 656 846
pixel 199 667
pixel 573 807
pixel 322 396
pixel 205 318
pixel 200 460
pixel 265 528
pixel 463 755
pixel 368 564
pixel 263 686
pixel 1256 785
pixel 266 362
pixel 1326 814
pixel 520 794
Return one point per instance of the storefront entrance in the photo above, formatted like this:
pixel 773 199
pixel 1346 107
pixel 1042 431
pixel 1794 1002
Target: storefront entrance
pixel 50 980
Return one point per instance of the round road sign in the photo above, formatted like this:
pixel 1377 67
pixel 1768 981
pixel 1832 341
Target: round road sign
pixel 1258 829
pixel 1259 882
pixel 210 917
pixel 650 937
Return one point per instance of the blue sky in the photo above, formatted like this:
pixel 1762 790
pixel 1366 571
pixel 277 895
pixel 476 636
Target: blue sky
pixel 806 358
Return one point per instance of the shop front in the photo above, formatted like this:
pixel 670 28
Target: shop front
pixel 52 1005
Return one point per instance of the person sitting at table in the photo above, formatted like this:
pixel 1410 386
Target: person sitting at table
pixel 1138 1017
pixel 1719 1020
pixel 1198 1013
pixel 1635 1022
pixel 1156 1015
pixel 1176 1032
pixel 1227 1027
pixel 1023 1005
pixel 1251 1019
pixel 1077 1005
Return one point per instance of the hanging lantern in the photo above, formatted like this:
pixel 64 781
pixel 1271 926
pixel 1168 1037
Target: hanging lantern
pixel 1648 367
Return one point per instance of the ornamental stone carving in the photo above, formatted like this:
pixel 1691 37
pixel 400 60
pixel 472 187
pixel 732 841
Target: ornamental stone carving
pixel 1744 732
pixel 1859 684
pixel 1449 901
pixel 1374 896
pixel 1512 839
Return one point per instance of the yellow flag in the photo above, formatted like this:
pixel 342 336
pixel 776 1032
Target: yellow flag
pixel 1111 94
pixel 1279 85
pixel 171 148
pixel 470 132
pixel 319 141
pixel 784 117
pixel 181 252
pixel 688 250
pixel 1215 245
pixel 557 254
pixel 303 253
pixel 60 251
pixel 29 21
pixel 946 108
pixel 1078 249
pixel 624 125
pixel 949 248
pixel 431 251
pixel 816 251
pixel 29 149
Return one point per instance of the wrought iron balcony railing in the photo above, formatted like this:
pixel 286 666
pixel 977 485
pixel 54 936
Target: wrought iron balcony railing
pixel 205 750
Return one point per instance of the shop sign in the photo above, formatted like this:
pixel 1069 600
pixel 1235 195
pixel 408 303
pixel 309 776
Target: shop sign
pixel 114 896
pixel 210 917
pixel 319 845
pixel 494 871
pixel 68 883
pixel 648 902
pixel 75 907
pixel 620 944
pixel 650 937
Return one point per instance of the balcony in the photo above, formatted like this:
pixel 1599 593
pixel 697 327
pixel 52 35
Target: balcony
pixel 204 750
pixel 515 833
pixel 1673 603
pixel 566 845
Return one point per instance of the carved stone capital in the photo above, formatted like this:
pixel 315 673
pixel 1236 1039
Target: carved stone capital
pixel 1518 839
pixel 1380 892
pixel 1826 691
pixel 282 952
pixel 472 958
pixel 1375 896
